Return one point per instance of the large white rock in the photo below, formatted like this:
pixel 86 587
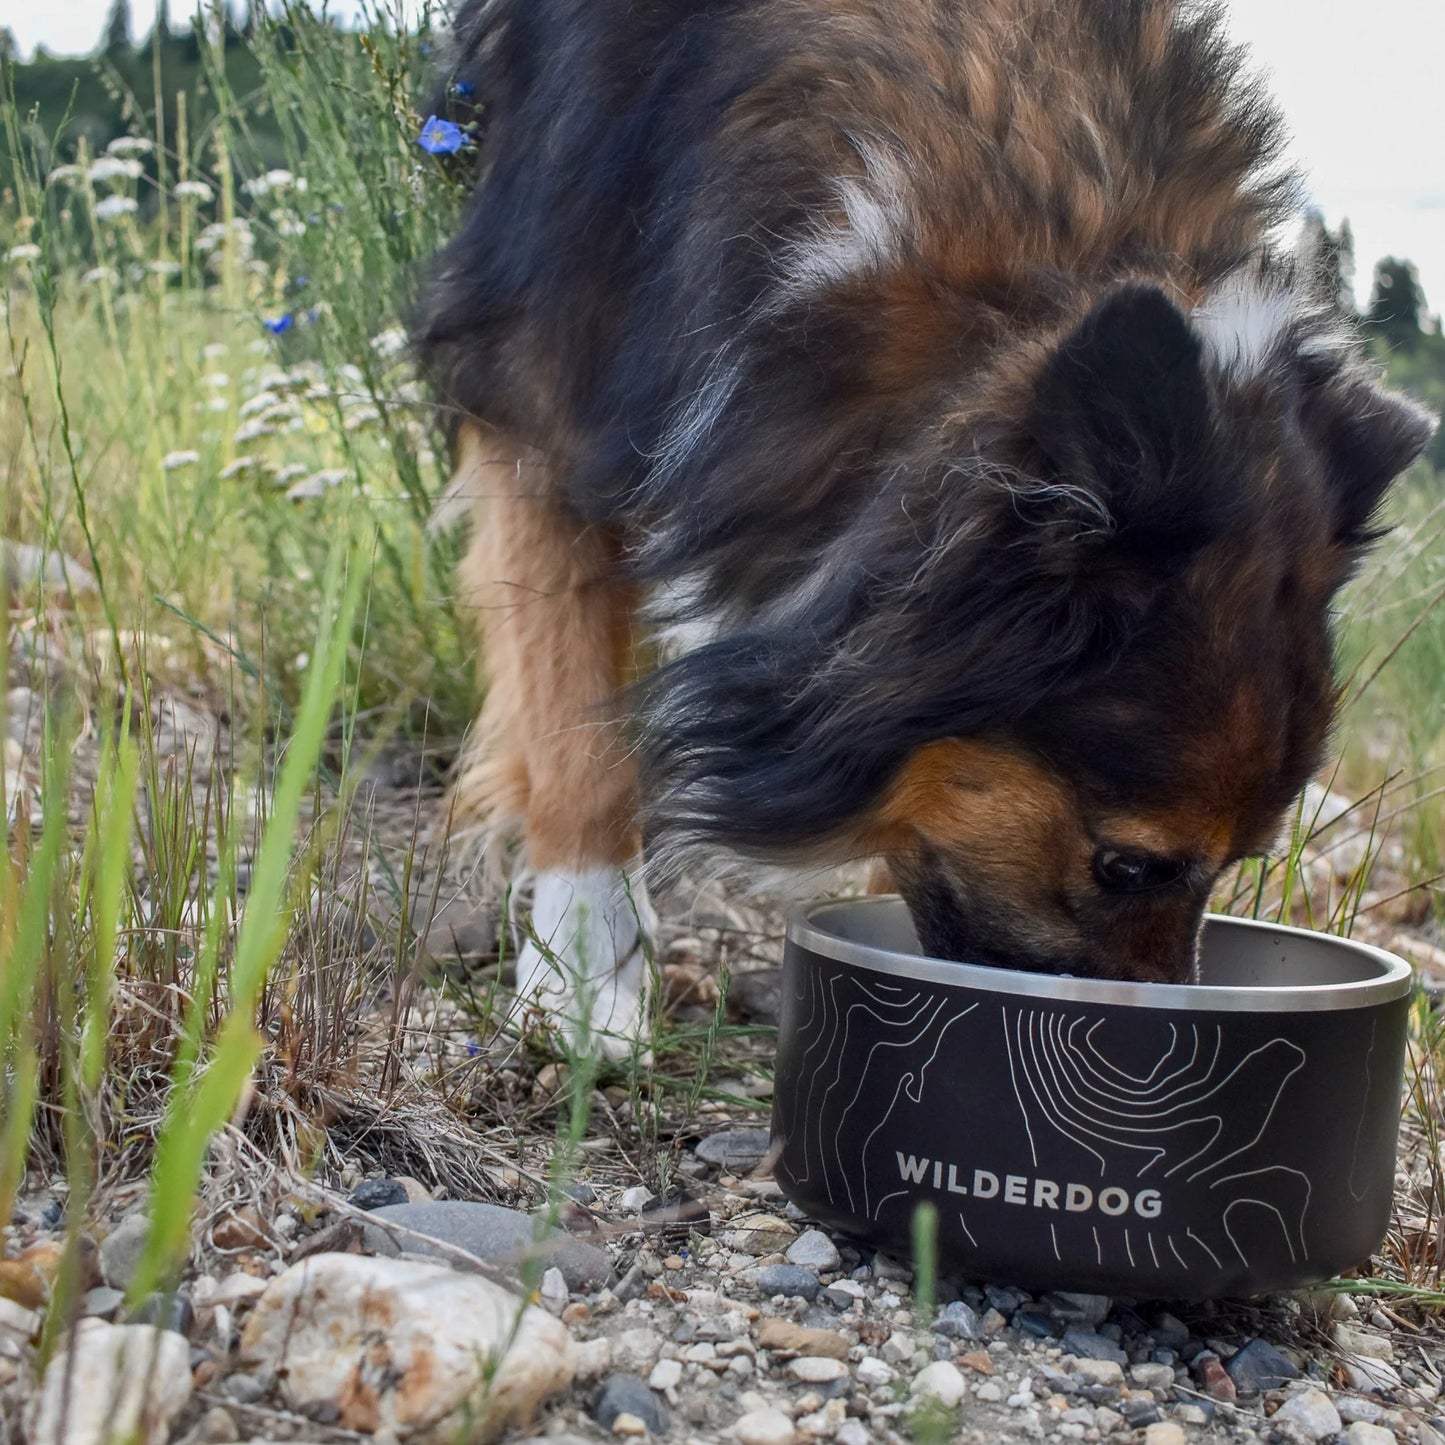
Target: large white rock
pixel 113 1382
pixel 419 1350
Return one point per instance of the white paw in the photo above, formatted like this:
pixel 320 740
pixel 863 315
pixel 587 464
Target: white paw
pixel 585 961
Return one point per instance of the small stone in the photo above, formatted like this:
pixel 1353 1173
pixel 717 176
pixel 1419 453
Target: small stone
pixel 552 1291
pixel 842 1293
pixel 111 1382
pixel 1098 1372
pixel 1035 1323
pixel 121 1250
pixel 1152 1377
pixel 1307 1417
pixel 757 1234
pixel 1164 1432
pixel 853 1432
pixel 628 1424
pixel 1170 1330
pixel 886 1267
pixel 1075 1308
pixel 592 1359
pixel 898 1348
pixel 1258 1366
pixel 957 1321
pixel 102 1302
pixel 492 1233
pixel 1363 1373
pixel 1191 1413
pixel 1354 1408
pixel 635 1199
pixel 17 1321
pixel 215 1427
pixel 245 1389
pixel 1088 1345
pixel 786 1279
pixel 765 1427
pixel 739 1151
pixel 627 1395
pixel 941 1381
pixel 873 1373
pixel 1212 1376
pixel 977 1360
pixel 988 1391
pixel 168 1311
pixel 637 1349
pixel 816 1369
pixel 376 1193
pixel 242 1229
pixel 1107 1421
pixel 1361 1432
pixel 993 1322
pixel 814 1250
pixel 1355 1341
pixel 774 1334
pixel 666 1375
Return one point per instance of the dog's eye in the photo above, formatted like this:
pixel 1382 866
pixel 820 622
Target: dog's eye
pixel 1118 871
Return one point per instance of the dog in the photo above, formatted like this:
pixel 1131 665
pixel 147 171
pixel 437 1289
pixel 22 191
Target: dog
pixel 891 432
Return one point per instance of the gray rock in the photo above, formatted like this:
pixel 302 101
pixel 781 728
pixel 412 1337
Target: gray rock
pixel 814 1250
pixel 957 1321
pixel 121 1250
pixel 1307 1417
pixel 245 1389
pixel 1170 1330
pixel 166 1311
pixel 736 1150
pixel 102 1302
pixel 756 997
pixel 788 1279
pixel 1258 1366
pixel 490 1232
pixel 1088 1345
pixel 26 568
pixel 628 1395
pixel 1074 1308
pixel 377 1193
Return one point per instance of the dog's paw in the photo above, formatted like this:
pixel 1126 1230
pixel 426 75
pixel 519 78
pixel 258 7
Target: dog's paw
pixel 585 961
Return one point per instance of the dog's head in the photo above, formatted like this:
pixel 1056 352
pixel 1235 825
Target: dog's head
pixel 1075 657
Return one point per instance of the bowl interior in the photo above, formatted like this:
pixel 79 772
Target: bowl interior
pixel 1234 953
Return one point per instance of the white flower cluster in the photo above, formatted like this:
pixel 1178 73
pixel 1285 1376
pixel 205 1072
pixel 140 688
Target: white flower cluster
pixel 239 231
pixel 28 251
pixel 113 208
pixel 129 145
pixel 274 181
pixel 194 191
pixel 174 461
pixel 114 168
pixel 62 173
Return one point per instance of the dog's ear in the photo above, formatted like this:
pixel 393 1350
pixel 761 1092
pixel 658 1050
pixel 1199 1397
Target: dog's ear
pixel 1122 421
pixel 1367 436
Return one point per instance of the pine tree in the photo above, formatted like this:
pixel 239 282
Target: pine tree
pixel 1328 258
pixel 1397 304
pixel 116 39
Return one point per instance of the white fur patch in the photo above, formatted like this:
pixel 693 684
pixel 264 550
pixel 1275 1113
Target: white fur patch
pixel 585 959
pixel 675 622
pixel 1243 322
pixel 878 225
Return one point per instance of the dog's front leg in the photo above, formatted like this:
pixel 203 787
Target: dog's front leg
pixel 550 758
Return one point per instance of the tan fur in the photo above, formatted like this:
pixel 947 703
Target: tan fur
pixel 548 760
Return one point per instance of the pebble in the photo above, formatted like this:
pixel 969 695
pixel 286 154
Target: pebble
pixel 493 1233
pixel 637 1349
pixel 816 1369
pixel 1036 1323
pixel 666 1375
pixel 814 1250
pixel 853 1432
pixel 1259 1366
pixel 757 1234
pixel 1152 1377
pixel 874 1373
pixel 375 1193
pixel 765 1427
pixel 1099 1372
pixel 941 1381
pixel 774 1334
pixel 635 1200
pixel 1363 1373
pixel 1088 1345
pixel 957 1321
pixel 988 1391
pixel 786 1279
pixel 102 1302
pixel 843 1292
pixel 1353 1408
pixel 739 1151
pixel 1164 1432
pixel 1075 1308
pixel 1361 1432
pixel 121 1250
pixel 627 1395
pixel 1307 1417
pixel 1215 1380
pixel 629 1424
pixel 757 996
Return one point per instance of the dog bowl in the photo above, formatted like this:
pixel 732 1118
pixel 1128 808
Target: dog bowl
pixel 1155 1140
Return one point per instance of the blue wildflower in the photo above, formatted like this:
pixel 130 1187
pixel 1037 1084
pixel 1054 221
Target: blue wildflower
pixel 441 137
pixel 279 325
pixel 466 89
pixel 313 316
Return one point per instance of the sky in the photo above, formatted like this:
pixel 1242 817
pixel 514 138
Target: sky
pixel 1361 84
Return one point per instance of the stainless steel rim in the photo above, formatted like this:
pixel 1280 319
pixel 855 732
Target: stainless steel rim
pixel 1394 980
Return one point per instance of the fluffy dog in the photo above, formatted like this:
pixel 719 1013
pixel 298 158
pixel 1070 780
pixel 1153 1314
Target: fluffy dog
pixel 918 373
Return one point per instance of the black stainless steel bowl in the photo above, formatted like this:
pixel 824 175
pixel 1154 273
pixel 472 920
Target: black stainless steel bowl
pixel 1156 1140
